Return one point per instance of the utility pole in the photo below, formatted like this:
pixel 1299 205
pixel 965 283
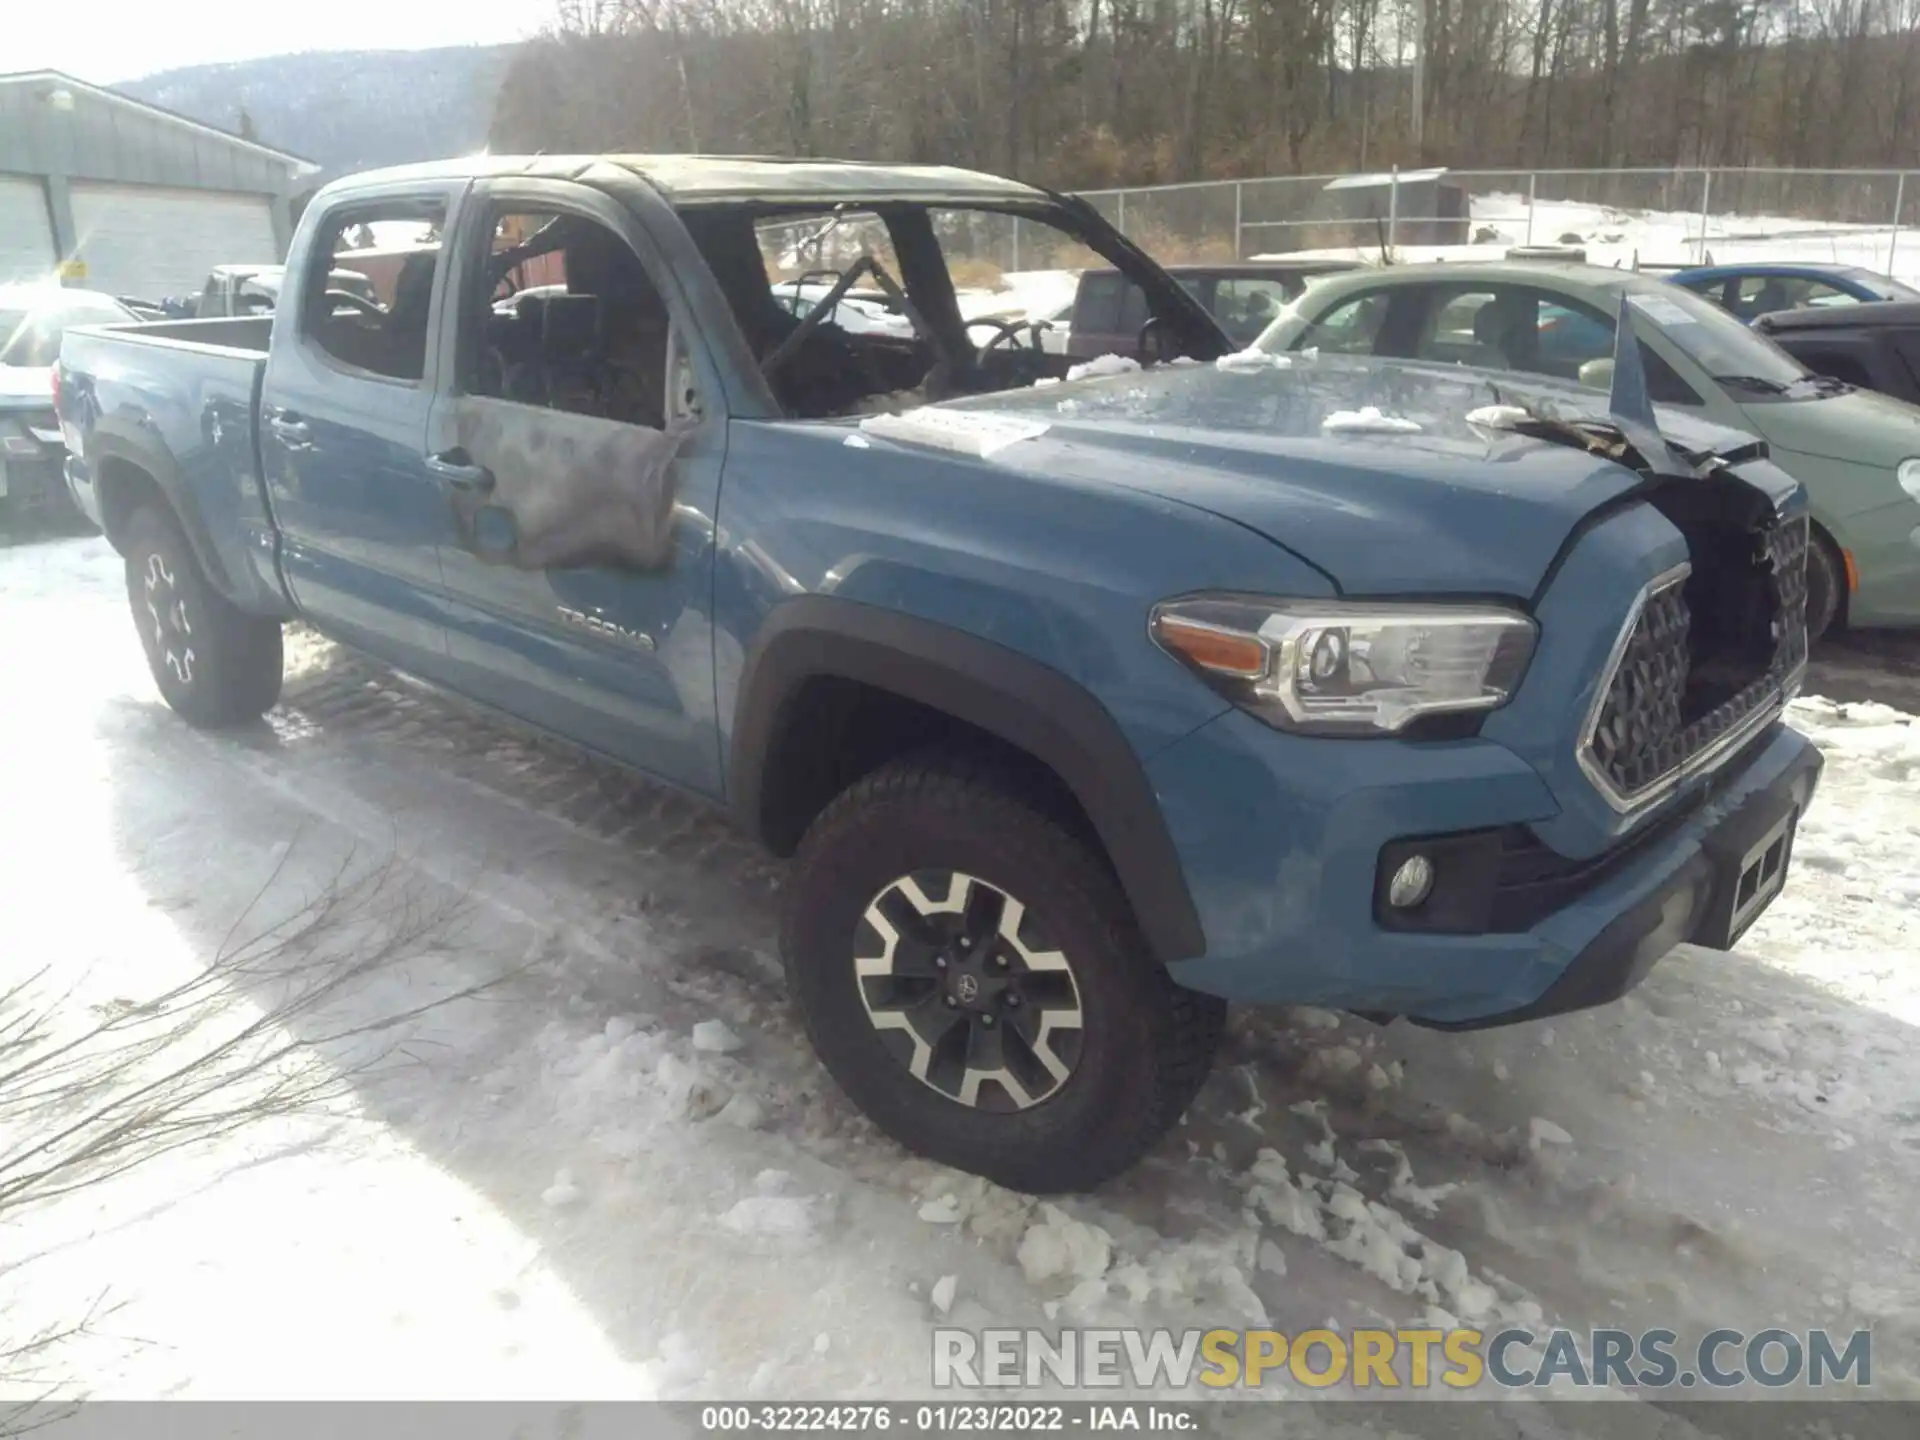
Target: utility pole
pixel 1419 80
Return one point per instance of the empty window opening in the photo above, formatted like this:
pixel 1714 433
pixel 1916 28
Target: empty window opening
pixel 369 297
pixel 567 319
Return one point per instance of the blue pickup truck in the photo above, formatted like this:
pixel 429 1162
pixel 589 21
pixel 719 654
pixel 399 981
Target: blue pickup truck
pixel 1083 705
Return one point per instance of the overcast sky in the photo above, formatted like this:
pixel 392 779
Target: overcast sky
pixel 109 42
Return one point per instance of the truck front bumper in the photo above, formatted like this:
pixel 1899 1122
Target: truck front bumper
pixel 1283 848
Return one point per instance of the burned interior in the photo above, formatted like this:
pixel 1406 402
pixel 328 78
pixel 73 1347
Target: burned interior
pixel 571 400
pixel 849 306
pixel 571 380
pixel 803 279
pixel 567 319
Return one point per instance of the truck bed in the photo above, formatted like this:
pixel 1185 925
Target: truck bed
pixel 177 403
pixel 250 333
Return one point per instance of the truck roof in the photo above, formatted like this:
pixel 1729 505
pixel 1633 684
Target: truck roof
pixel 709 179
pixel 1843 317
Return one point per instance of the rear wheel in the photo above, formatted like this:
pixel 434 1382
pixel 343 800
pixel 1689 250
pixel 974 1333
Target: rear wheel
pixel 970 974
pixel 215 664
pixel 1826 584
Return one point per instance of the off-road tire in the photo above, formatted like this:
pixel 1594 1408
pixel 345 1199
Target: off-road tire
pixel 1826 585
pixel 1146 1044
pixel 225 667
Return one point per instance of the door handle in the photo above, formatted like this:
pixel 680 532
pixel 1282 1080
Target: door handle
pixel 294 432
pixel 457 471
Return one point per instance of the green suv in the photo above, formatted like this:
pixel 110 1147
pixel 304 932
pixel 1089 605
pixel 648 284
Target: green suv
pixel 1857 453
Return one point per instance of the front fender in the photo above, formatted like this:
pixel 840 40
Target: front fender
pixel 1006 694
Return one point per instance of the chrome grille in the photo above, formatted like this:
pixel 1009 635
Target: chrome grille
pixel 1635 746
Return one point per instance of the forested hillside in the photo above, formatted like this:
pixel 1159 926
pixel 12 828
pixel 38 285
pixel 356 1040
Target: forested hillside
pixel 1092 92
pixel 348 110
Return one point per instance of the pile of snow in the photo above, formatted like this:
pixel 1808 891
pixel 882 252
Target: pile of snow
pixel 1022 295
pixel 1376 1238
pixel 1498 417
pixel 581 1186
pixel 1103 365
pixel 1368 420
pixel 713 1037
pixel 944 1289
pixel 1253 359
pixel 1059 1245
pixel 563 1192
pixel 778 1216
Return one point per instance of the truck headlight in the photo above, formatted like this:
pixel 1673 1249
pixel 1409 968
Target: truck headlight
pixel 1348 668
pixel 1909 475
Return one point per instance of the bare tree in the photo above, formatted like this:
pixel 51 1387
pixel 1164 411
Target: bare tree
pixel 267 1027
pixel 1096 92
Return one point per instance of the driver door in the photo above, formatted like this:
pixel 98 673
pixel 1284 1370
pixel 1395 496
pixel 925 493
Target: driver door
pixel 581 467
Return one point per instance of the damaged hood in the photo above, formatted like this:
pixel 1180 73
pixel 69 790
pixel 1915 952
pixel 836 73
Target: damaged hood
pixel 1370 472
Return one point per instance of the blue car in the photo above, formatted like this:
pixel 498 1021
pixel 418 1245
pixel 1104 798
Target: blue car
pixel 1750 291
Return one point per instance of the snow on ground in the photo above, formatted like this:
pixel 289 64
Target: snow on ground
pixel 1022 294
pixel 1609 236
pixel 618 1171
pixel 1619 237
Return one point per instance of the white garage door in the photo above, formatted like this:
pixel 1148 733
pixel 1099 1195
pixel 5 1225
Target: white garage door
pixel 149 243
pixel 26 233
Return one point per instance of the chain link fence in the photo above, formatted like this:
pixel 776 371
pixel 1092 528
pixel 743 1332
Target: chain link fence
pixel 1651 218
pixel 1668 216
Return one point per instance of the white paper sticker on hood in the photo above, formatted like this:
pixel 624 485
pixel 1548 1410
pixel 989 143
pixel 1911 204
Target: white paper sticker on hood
pixel 965 432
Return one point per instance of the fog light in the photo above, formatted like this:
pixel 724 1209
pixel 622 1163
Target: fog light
pixel 1411 883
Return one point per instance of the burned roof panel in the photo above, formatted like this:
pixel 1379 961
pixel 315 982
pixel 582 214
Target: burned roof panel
pixel 710 179
pixel 694 179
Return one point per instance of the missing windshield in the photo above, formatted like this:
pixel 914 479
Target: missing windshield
pixel 877 306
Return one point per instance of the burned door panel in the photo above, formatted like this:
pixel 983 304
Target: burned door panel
pixel 580 587
pixel 566 490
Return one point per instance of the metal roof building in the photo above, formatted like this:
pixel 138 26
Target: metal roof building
pixel 116 195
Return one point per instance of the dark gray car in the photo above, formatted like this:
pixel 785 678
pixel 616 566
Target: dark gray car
pixel 33 318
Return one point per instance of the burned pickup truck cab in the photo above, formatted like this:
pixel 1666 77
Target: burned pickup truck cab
pixel 1083 705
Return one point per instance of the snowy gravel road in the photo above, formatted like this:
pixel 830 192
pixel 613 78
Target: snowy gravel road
pixel 619 1172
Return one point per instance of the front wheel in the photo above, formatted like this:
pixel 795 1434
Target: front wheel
pixel 1826 583
pixel 215 664
pixel 971 976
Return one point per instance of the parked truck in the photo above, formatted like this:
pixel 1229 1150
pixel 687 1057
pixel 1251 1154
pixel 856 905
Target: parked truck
pixel 1082 707
pixel 255 290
